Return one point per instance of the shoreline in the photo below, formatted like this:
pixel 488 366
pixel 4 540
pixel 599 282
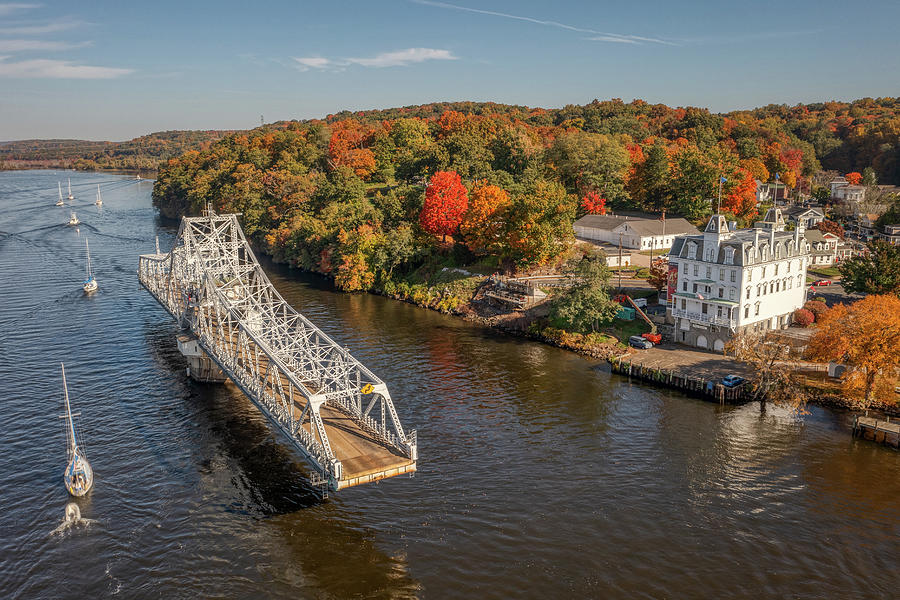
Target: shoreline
pixel 602 352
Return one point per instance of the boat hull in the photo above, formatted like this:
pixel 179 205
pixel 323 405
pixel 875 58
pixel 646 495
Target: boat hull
pixel 78 476
pixel 90 286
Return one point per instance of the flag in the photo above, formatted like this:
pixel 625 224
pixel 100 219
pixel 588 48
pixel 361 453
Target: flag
pixel 722 179
pixel 777 176
pixel 700 296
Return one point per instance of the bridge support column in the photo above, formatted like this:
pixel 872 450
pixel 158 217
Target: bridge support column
pixel 200 366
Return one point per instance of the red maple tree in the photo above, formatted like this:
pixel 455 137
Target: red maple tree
pixel 593 204
pixel 741 201
pixel 446 202
pixel 854 178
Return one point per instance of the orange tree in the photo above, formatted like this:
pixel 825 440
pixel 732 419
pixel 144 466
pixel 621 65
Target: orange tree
pixel 865 336
pixel 446 202
pixel 482 225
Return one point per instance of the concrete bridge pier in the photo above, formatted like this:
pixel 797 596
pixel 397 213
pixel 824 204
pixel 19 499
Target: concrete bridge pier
pixel 200 366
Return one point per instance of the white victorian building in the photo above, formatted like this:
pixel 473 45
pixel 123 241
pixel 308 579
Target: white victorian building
pixel 726 280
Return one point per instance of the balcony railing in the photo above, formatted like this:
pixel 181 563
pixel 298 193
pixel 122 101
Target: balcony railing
pixel 702 318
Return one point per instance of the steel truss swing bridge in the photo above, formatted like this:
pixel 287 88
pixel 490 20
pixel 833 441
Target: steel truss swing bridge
pixel 333 409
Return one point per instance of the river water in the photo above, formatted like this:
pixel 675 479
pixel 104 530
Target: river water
pixel 541 475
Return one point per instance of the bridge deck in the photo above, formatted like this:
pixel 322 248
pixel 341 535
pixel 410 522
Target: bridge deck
pixel 363 457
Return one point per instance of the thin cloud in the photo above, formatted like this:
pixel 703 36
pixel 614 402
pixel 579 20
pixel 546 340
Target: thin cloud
pixel 28 45
pixel 40 29
pixel 8 8
pixel 600 36
pixel 56 69
pixel 398 58
pixel 401 58
pixel 313 62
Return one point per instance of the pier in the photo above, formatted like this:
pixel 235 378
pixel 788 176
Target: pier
pixel 333 410
pixel 883 431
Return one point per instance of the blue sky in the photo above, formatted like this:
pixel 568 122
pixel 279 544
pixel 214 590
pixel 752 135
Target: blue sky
pixel 116 70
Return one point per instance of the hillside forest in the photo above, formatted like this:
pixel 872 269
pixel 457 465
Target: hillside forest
pixel 140 154
pixel 386 198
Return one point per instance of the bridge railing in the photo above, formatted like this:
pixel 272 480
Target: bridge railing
pixel 211 283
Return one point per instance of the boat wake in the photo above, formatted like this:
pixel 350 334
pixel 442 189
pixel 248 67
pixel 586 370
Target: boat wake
pixel 72 520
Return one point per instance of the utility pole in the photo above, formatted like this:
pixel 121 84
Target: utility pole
pixel 620 261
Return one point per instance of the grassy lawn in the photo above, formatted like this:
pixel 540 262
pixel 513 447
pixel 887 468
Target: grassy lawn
pixel 824 272
pixel 625 329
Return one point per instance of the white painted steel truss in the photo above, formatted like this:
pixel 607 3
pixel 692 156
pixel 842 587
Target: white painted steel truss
pixel 213 285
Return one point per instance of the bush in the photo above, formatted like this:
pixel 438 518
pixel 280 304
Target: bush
pixel 803 317
pixel 816 307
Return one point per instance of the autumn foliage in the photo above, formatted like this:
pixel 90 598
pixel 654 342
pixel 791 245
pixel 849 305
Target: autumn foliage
pixel 830 227
pixel 593 204
pixel 446 202
pixel 482 225
pixel 346 148
pixel 853 178
pixel 803 317
pixel 741 200
pixel 864 336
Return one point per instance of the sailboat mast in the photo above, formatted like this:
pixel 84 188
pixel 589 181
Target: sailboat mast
pixel 88 248
pixel 68 408
pixel 70 186
pixel 59 185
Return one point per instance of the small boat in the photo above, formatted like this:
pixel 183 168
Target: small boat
pixel 90 284
pixel 73 220
pixel 99 200
pixel 78 476
pixel 138 176
pixel 71 197
pixel 60 201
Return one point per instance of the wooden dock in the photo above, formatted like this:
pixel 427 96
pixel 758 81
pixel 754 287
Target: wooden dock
pixel 706 389
pixel 878 430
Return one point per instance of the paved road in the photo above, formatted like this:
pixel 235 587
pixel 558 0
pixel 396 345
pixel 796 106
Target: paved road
pixel 834 294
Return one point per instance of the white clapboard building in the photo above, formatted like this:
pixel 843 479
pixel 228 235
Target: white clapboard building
pixel 632 232
pixel 726 280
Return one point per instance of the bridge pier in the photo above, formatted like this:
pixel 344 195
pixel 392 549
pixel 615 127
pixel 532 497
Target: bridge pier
pixel 200 366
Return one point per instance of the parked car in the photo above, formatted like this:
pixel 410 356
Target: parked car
pixel 731 381
pixel 637 341
pixel 822 282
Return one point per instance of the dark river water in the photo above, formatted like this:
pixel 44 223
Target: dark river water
pixel 541 475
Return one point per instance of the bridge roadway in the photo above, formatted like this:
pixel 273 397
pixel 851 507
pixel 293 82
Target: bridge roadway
pixel 363 457
pixel 331 408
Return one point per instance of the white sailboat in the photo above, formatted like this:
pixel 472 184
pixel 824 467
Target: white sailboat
pixel 90 284
pixel 71 197
pixel 78 476
pixel 99 200
pixel 60 201
pixel 73 220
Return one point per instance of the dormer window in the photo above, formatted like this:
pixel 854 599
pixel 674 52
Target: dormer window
pixel 729 256
pixel 692 250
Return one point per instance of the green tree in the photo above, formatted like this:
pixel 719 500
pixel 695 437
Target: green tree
pixel 650 184
pixel 587 305
pixel 591 162
pixel 540 223
pixel 875 272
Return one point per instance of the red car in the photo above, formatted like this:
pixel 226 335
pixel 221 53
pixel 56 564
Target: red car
pixel 822 282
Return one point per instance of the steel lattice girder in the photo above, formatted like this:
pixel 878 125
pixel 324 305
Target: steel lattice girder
pixel 212 283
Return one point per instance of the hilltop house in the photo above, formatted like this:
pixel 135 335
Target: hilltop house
pixel 807 217
pixel 724 280
pixel 823 247
pixel 891 234
pixel 632 232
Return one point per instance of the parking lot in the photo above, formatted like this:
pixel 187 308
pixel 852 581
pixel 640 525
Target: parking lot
pixel 687 361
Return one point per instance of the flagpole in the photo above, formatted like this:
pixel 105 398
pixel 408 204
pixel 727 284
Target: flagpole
pixel 719 202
